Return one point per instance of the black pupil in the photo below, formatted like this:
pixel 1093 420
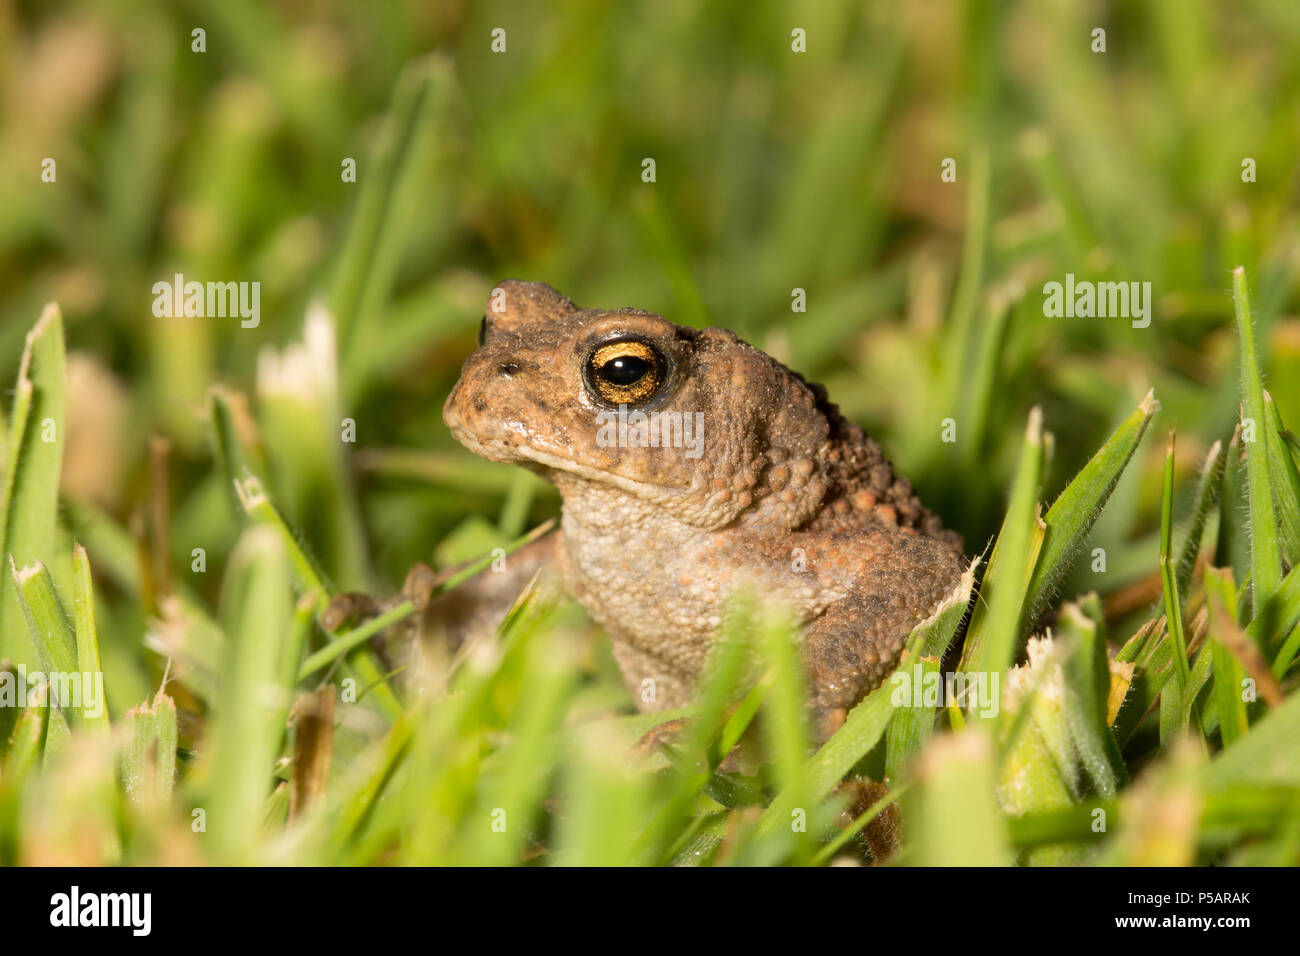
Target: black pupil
pixel 624 370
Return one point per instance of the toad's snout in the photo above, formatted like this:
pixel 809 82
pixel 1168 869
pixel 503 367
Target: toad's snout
pixel 502 401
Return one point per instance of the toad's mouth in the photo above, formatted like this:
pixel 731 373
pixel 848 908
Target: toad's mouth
pixel 516 450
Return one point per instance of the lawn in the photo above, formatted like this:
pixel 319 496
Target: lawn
pixel 880 195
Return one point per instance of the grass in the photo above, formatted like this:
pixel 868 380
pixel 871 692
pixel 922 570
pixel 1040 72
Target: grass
pixel 181 498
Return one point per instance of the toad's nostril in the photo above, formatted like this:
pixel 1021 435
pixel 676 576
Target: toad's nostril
pixel 508 368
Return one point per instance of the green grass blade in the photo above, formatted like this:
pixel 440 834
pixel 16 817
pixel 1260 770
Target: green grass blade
pixel 29 507
pixel 785 716
pixel 354 801
pixel 1207 493
pixel 995 628
pixel 291 653
pixel 10 707
pixel 954 809
pixel 913 722
pixel 606 801
pixel 377 234
pixel 1072 514
pixel 1268 754
pixel 1087 689
pixel 1053 180
pixel 356 637
pixel 1279 623
pixel 87 637
pixel 971 278
pixel 1173 609
pixel 244 736
pixel 982 381
pixel 47 622
pixel 149 758
pixel 497 831
pixel 255 500
pixel 27 743
pixel 699 755
pixel 1232 549
pixel 51 633
pixel 1265 548
pixel 1229 678
pixel 1286 482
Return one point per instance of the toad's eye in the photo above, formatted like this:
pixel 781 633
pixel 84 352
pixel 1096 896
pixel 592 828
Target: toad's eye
pixel 482 331
pixel 626 373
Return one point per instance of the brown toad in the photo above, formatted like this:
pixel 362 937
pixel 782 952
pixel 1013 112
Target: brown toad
pixel 689 461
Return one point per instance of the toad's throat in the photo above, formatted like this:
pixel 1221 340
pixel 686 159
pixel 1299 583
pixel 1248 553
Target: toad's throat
pixel 545 460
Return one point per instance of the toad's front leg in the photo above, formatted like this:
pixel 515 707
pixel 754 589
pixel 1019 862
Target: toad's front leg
pixel 446 619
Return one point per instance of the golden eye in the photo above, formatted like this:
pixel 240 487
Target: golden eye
pixel 627 372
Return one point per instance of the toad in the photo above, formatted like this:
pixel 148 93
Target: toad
pixel 689 464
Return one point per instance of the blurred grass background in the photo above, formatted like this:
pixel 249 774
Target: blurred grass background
pixel 775 171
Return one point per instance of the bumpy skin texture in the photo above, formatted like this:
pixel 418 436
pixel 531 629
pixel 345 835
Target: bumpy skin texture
pixel 786 494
